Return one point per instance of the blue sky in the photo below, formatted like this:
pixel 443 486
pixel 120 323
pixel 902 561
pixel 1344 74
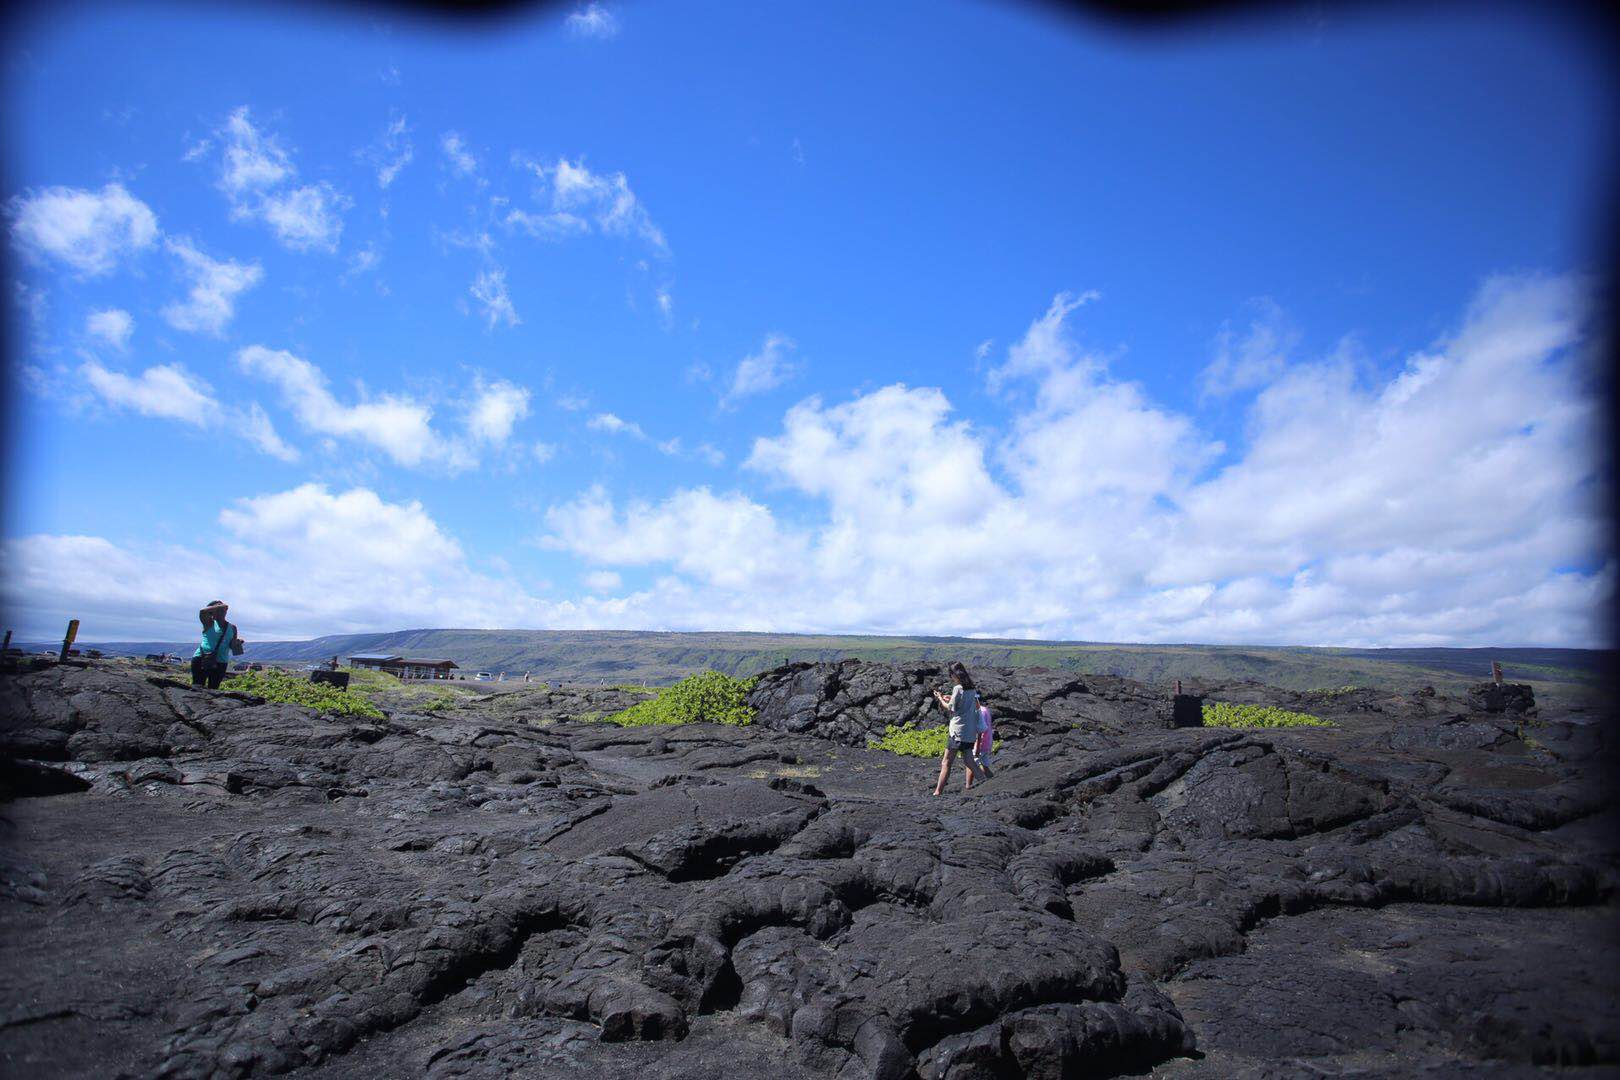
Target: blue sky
pixel 941 318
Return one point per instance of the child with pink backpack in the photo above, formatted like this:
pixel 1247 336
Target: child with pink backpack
pixel 987 736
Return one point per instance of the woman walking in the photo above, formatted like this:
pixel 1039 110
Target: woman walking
pixel 963 705
pixel 213 656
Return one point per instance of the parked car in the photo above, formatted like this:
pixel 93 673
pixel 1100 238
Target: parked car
pixel 484 676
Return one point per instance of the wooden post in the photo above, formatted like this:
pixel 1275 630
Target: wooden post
pixel 7 646
pixel 67 642
pixel 1496 673
pixel 1178 687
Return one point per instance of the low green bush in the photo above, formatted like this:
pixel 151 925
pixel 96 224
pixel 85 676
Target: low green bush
pixel 706 698
pixel 912 741
pixel 280 687
pixel 1221 714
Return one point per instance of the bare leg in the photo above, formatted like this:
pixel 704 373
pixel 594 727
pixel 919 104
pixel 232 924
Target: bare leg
pixel 969 768
pixel 944 773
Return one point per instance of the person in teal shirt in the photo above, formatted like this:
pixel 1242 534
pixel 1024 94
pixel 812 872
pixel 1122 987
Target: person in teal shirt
pixel 213 657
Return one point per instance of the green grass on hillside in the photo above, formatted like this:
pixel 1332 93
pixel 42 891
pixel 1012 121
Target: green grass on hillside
pixel 708 697
pixel 1221 714
pixel 279 687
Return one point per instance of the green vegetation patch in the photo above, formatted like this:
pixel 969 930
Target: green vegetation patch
pixel 280 687
pixel 1221 714
pixel 705 698
pixel 912 741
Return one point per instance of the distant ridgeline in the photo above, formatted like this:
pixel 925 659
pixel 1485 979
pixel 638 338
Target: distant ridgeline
pixel 651 658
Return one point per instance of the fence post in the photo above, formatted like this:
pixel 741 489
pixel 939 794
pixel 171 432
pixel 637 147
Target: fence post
pixel 7 646
pixel 1496 673
pixel 67 642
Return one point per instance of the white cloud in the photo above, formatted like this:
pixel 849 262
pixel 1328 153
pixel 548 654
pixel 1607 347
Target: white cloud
pixel 613 425
pixel 1253 358
pixel 363 262
pixel 579 199
pixel 293 564
pixel 398 426
pixel 766 369
pixel 215 285
pixel 251 160
pixel 306 218
pixel 1458 500
pixel 88 230
pixel 1455 502
pixel 543 452
pixel 256 425
pixel 741 546
pixel 461 159
pixel 256 175
pixel 495 410
pixel 166 391
pixel 489 289
pixel 390 152
pixel 593 21
pixel 602 581
pixel 113 326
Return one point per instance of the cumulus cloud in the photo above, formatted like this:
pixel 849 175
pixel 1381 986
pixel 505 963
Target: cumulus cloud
pixel 489 291
pixel 165 391
pixel 293 564
pixel 763 370
pixel 1453 502
pixel 113 326
pixel 593 21
pixel 170 392
pixel 257 175
pixel 215 285
pixel 398 426
pixel 1456 500
pixel 741 546
pixel 90 231
pixel 495 410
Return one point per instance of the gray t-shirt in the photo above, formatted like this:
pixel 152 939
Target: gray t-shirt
pixel 964 714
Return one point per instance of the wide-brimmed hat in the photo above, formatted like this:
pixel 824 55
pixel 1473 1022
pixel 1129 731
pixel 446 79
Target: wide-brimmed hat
pixel 215 605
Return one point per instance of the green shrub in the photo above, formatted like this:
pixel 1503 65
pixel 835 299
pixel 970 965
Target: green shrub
pixel 280 687
pixel 1221 714
pixel 912 741
pixel 705 698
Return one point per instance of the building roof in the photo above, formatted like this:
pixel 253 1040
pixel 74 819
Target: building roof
pixel 374 656
pixel 426 663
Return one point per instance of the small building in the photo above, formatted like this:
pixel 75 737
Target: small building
pixel 405 667
pixel 415 668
